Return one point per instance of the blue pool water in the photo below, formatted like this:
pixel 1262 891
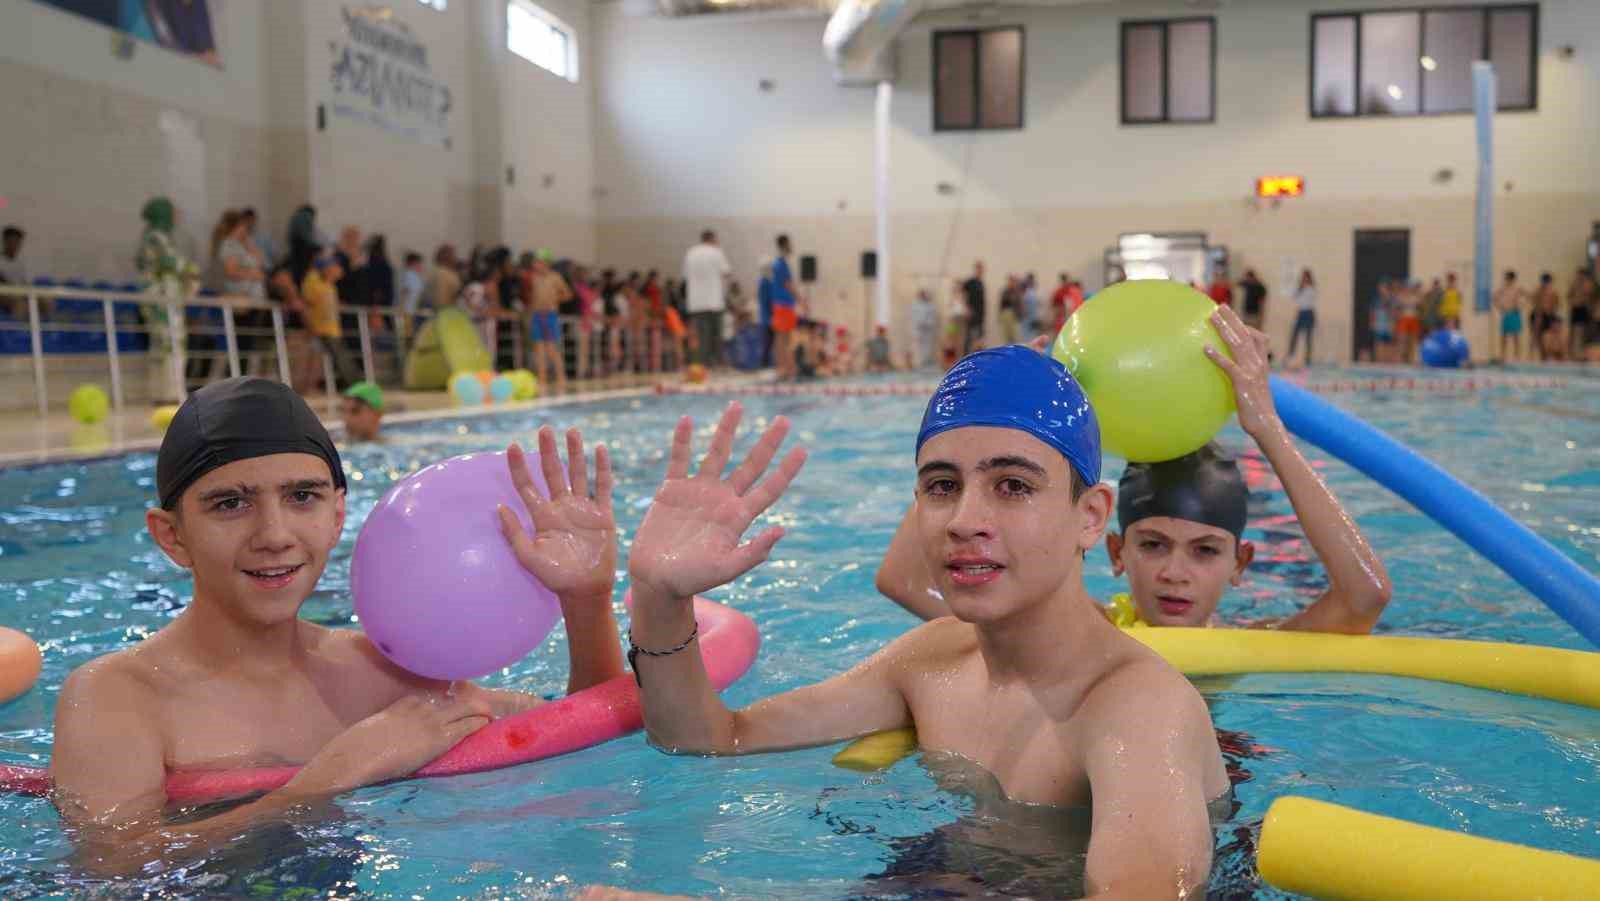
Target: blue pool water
pixel 78 572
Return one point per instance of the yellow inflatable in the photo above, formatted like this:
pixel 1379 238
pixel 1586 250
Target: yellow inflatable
pixel 1332 852
pixel 1557 674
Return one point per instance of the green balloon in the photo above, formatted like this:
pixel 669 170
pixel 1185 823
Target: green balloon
pixel 1138 350
pixel 88 404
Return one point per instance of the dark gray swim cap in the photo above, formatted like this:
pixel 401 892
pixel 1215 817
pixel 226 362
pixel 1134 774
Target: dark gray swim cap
pixel 238 419
pixel 1205 487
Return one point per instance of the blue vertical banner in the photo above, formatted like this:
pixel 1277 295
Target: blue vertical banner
pixel 1483 104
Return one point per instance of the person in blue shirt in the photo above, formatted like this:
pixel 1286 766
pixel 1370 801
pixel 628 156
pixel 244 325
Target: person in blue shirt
pixel 785 313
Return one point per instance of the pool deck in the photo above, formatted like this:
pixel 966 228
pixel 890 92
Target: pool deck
pixel 26 439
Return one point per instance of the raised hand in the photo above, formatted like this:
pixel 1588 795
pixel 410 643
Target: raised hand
pixel 690 540
pixel 1249 371
pixel 573 550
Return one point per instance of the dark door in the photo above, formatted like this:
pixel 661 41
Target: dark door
pixel 1380 253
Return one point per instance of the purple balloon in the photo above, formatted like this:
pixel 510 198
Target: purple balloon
pixel 437 587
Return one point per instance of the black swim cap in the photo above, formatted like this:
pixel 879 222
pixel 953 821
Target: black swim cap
pixel 1205 487
pixel 238 419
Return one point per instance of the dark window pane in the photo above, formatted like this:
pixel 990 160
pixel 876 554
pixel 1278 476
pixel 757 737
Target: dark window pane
pixel 1000 79
pixel 955 100
pixel 1512 52
pixel 1333 78
pixel 1141 73
pixel 1189 72
pixel 1390 48
pixel 1451 40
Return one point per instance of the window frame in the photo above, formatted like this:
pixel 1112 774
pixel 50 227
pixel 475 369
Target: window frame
pixel 1166 101
pixel 556 24
pixel 977 77
pixel 1484 10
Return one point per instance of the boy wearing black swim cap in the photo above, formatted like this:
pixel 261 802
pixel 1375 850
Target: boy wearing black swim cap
pixel 1028 681
pixel 252 502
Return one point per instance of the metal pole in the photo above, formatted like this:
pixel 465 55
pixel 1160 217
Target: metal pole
pixel 885 98
pixel 38 354
pixel 176 328
pixel 111 351
pixel 232 338
pixel 364 327
pixel 284 375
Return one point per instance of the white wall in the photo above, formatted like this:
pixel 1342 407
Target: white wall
pixel 682 145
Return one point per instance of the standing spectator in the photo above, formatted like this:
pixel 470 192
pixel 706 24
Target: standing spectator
pixel 1305 320
pixel 305 241
pixel 973 293
pixel 785 312
pixel 172 279
pixel 1581 313
pixel 1383 307
pixel 1408 328
pixel 354 289
pixel 878 357
pixel 706 270
pixel 380 283
pixel 243 276
pixel 320 293
pixel 260 239
pixel 655 322
pixel 1255 299
pixel 1058 302
pixel 548 292
pixel 13 271
pixel 1508 300
pixel 1220 291
pixel 444 283
pixel 303 361
pixel 412 287
pixel 1011 311
pixel 1031 324
pixel 1450 303
pixel 925 326
pixel 588 298
pixel 638 313
pixel 1431 302
pixel 764 292
pixel 616 319
pixel 1548 333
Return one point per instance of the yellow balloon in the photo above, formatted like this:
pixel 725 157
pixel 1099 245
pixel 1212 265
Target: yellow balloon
pixel 88 404
pixel 161 417
pixel 1138 350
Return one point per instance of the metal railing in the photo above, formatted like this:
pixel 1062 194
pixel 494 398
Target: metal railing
pixel 606 353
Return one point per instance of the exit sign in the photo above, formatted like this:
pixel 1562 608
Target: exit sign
pixel 1280 186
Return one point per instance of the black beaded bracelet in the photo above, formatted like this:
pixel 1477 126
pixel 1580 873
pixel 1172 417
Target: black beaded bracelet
pixel 634 651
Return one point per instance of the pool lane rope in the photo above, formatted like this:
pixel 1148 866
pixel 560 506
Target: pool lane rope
pixel 1568 589
pixel 728 644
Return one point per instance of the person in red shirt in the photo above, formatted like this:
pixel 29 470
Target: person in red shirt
pixel 1221 292
pixel 1059 301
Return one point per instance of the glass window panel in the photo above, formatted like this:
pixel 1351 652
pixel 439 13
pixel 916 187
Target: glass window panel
pixel 1142 54
pixel 955 98
pixel 1512 52
pixel 1333 77
pixel 1000 79
pixel 1391 44
pixel 1451 41
pixel 1189 72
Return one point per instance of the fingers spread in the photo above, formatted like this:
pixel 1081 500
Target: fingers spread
pixel 577 465
pixel 760 456
pixel 602 476
pixel 678 462
pixel 773 486
pixel 716 459
pixel 550 463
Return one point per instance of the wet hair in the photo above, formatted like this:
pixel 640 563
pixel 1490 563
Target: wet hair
pixel 708 235
pixel 783 242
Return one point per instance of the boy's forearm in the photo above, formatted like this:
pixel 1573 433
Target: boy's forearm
pixel 682 711
pixel 594 652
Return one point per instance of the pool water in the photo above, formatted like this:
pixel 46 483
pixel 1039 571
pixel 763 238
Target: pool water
pixel 78 572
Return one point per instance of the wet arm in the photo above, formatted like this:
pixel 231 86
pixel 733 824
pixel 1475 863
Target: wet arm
pixel 903 576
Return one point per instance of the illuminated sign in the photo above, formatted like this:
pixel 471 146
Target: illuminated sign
pixel 1280 186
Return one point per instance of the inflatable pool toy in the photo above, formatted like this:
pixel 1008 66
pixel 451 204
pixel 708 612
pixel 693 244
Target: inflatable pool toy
pixel 1137 348
pixel 466 389
pixel 1445 349
pixel 161 417
pixel 482 612
pixel 88 404
pixel 695 374
pixel 446 344
pixel 524 383
pixel 877 751
pixel 1331 852
pixel 20 661
pixel 1556 674
pixel 728 644
pixel 1549 575
pixel 502 389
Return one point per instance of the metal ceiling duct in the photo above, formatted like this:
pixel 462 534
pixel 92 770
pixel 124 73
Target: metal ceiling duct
pixel 859 39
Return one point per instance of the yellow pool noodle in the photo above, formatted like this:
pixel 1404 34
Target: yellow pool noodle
pixel 1333 853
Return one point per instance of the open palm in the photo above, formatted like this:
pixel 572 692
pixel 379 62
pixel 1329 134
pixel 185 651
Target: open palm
pixel 690 540
pixel 573 550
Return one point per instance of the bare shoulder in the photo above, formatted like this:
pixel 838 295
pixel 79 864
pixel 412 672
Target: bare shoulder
pixel 1141 687
pixel 935 643
pixel 358 659
pixel 124 678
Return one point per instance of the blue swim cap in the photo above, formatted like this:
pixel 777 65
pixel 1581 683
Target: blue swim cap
pixel 1015 387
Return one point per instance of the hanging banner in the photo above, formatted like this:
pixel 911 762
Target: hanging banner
pixel 380 75
pixel 182 26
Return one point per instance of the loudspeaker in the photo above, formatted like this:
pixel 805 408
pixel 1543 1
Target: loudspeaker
pixel 808 268
pixel 869 264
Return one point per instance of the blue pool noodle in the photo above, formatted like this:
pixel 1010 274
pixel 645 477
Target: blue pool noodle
pixel 1551 576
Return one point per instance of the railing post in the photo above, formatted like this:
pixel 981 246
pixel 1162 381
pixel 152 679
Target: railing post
pixel 284 375
pixel 364 328
pixel 177 329
pixel 38 354
pixel 112 351
pixel 231 337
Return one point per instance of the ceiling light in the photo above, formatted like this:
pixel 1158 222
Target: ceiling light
pixel 1429 63
pixel 1395 93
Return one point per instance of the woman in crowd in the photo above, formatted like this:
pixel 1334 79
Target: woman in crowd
pixel 1305 321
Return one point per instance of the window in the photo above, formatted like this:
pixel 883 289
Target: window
pixel 1419 61
pixel 541 39
pixel 978 79
pixel 1169 71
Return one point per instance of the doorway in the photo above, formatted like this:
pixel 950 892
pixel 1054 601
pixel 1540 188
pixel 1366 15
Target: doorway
pixel 1380 253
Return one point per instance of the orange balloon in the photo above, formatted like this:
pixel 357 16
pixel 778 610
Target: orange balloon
pixel 485 376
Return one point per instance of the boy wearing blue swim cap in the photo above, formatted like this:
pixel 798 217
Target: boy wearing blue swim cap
pixel 1028 680
pixel 1180 534
pixel 252 502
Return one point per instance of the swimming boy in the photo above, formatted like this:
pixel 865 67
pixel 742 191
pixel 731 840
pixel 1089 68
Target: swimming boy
pixel 1180 536
pixel 362 412
pixel 252 501
pixel 1028 680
